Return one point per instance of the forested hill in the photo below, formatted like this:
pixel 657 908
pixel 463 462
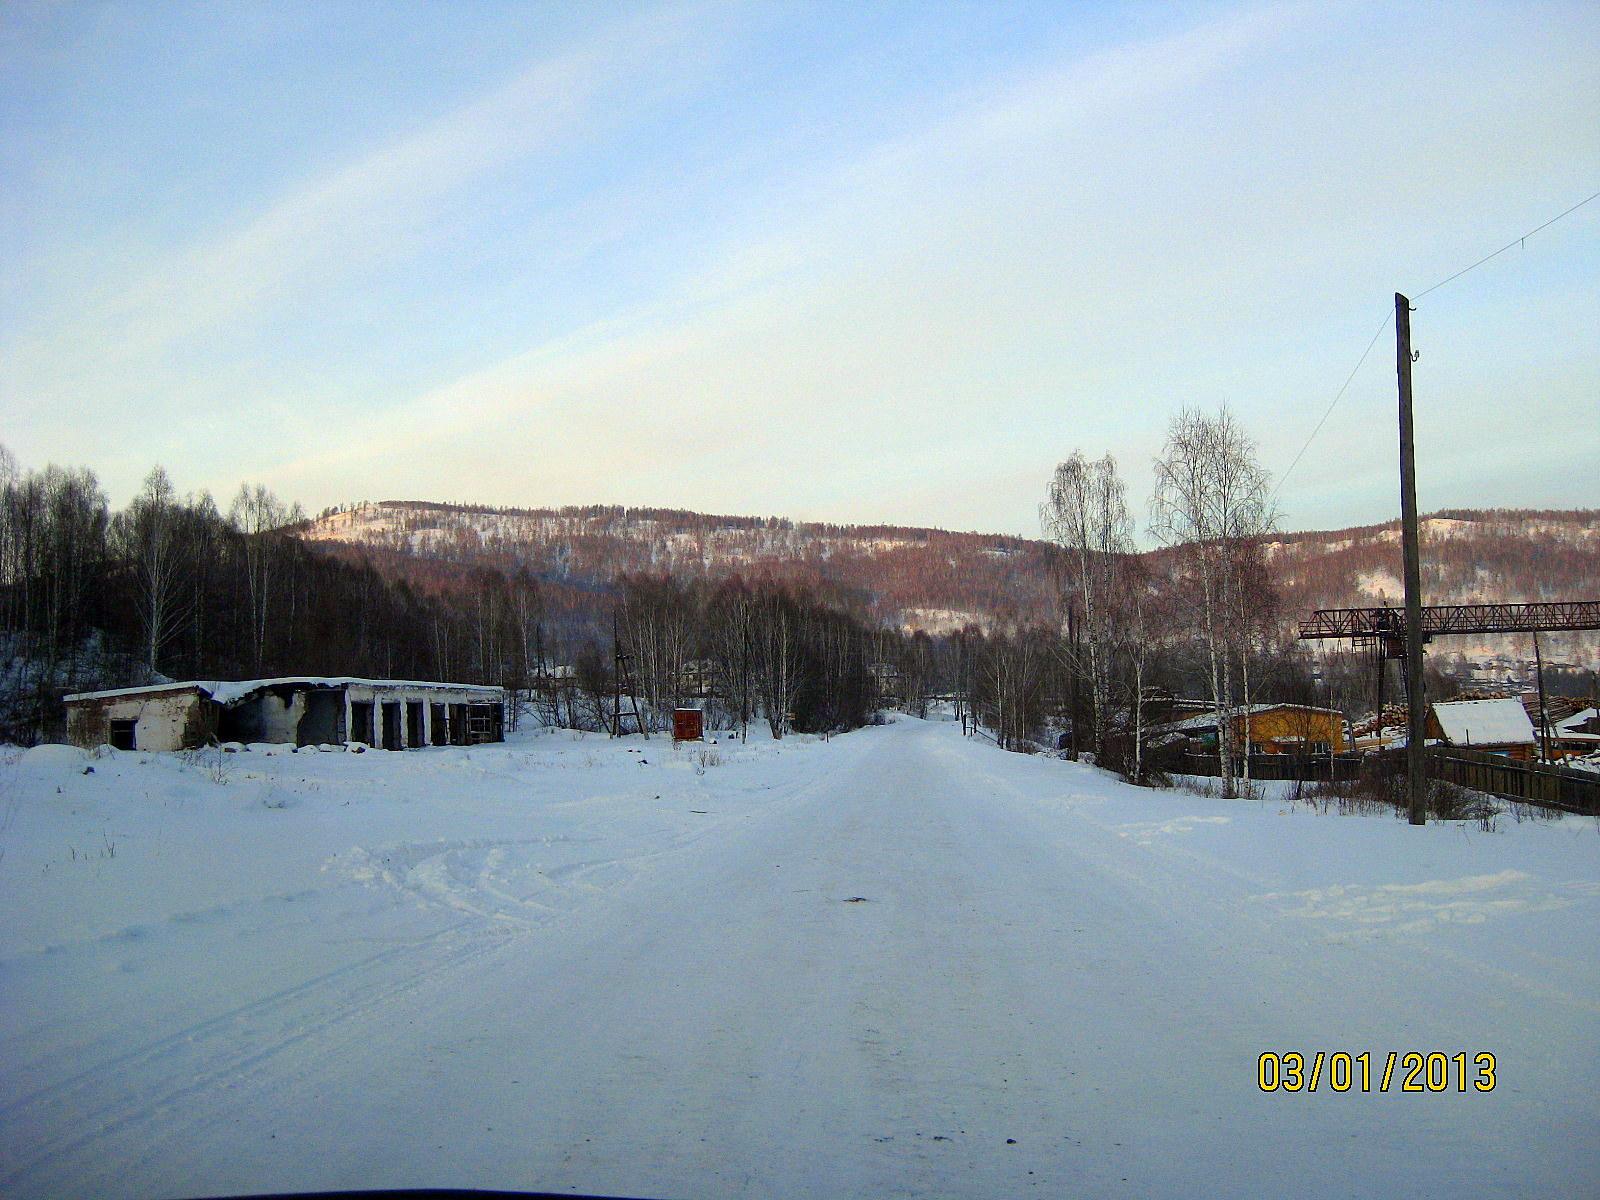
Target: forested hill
pixel 1468 557
pixel 922 578
pixel 937 580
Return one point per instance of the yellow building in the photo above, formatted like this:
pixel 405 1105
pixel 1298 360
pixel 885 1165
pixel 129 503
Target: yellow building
pixel 1289 729
pixel 1269 729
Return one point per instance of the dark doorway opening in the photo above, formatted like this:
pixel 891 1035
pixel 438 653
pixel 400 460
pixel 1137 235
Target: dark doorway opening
pixel 361 722
pixel 122 736
pixel 391 726
pixel 414 723
pixel 319 724
pixel 441 724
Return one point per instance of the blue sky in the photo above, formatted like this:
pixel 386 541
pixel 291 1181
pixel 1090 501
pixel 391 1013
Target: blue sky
pixel 837 261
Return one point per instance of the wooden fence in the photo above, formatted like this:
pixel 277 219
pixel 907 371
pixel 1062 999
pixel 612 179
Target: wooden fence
pixel 1533 783
pixel 1309 767
pixel 1550 787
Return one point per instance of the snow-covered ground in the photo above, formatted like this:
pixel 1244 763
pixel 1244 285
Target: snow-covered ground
pixel 897 963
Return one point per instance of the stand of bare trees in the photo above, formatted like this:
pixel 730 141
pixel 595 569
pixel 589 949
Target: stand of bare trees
pixel 656 621
pixel 1086 514
pixel 1014 677
pixel 1127 631
pixel 766 651
pixel 504 619
pixel 168 587
pixel 1212 504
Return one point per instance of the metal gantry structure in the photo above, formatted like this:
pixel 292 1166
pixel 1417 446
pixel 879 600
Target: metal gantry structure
pixel 1388 625
pixel 1386 628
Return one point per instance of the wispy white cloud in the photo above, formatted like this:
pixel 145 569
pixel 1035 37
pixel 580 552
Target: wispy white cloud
pixel 843 330
pixel 913 328
pixel 371 208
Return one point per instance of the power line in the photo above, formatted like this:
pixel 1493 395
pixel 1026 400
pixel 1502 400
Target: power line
pixel 1507 246
pixel 1382 325
pixel 1376 334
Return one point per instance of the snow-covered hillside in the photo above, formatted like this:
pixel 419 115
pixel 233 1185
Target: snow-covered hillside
pixel 896 963
pixel 923 578
pixel 1487 557
pixel 939 581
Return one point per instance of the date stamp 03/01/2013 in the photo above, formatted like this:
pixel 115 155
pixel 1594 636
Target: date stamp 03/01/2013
pixel 1409 1071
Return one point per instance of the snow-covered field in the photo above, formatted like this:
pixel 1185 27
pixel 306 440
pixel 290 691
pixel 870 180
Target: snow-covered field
pixel 893 964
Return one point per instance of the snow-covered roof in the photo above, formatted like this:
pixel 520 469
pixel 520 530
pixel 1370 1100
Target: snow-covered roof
pixel 1484 722
pixel 1573 723
pixel 151 689
pixel 1208 720
pixel 232 691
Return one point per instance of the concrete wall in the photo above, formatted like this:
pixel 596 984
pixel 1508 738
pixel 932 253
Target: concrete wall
pixel 268 717
pixel 164 721
pixel 302 714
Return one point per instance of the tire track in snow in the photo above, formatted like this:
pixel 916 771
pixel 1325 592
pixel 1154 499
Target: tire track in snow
pixel 229 1047
pixel 62 1131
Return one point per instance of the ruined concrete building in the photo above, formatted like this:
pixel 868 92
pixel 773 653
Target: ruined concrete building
pixel 386 714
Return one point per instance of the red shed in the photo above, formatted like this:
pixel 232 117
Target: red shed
pixel 687 724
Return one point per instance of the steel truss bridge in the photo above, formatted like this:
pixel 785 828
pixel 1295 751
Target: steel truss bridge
pixel 1388 625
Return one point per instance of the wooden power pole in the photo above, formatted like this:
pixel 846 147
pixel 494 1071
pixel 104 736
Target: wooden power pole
pixel 1416 714
pixel 623 684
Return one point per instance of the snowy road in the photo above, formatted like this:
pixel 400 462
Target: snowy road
pixel 912 967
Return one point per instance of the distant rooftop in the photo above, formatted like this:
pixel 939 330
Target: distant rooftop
pixel 1484 722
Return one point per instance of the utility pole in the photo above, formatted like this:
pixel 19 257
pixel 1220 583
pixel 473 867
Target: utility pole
pixel 962 700
pixel 1383 663
pixel 1416 716
pixel 1544 711
pixel 623 681
pixel 616 678
pixel 744 677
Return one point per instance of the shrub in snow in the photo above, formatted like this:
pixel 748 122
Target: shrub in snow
pixel 212 762
pixel 1381 789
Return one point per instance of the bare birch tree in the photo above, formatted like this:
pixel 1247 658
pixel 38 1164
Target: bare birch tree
pixel 1211 500
pixel 255 514
pixel 1086 513
pixel 777 660
pixel 148 535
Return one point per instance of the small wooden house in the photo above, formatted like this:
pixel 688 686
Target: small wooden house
pixel 1494 726
pixel 1266 729
pixel 1577 735
pixel 1290 729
